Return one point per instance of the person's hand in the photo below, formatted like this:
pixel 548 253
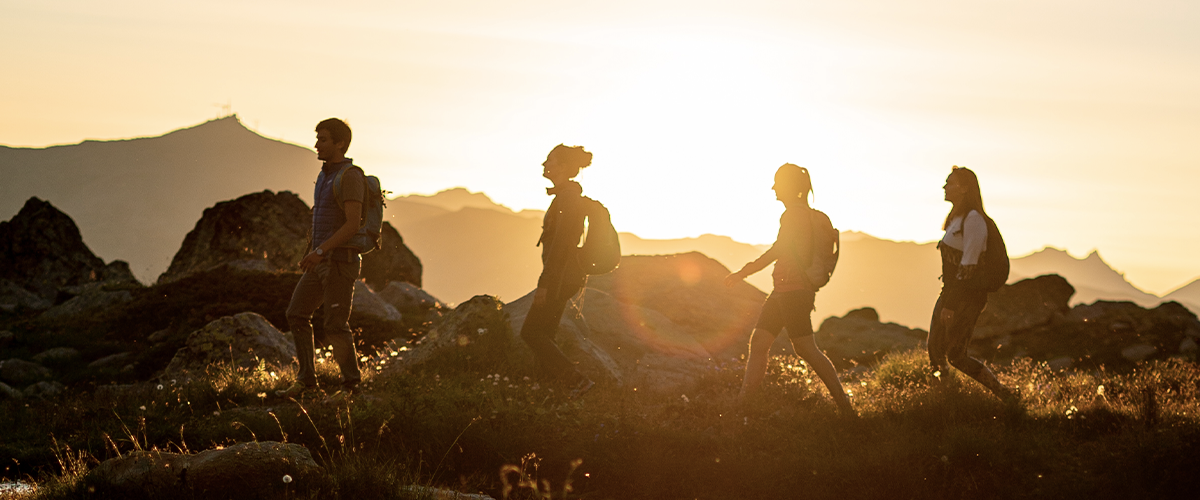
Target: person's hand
pixel 310 260
pixel 539 296
pixel 733 278
pixel 947 317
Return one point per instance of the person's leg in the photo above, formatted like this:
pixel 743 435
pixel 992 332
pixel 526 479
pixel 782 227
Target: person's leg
pixel 959 336
pixel 936 342
pixel 306 298
pixel 756 361
pixel 339 298
pixel 806 348
pixel 538 332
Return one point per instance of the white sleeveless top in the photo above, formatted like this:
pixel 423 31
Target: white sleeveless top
pixel 970 240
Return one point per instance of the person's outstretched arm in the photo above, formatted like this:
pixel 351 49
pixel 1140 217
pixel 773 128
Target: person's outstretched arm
pixel 753 267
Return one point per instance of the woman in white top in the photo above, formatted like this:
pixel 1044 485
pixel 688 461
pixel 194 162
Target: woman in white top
pixel 959 306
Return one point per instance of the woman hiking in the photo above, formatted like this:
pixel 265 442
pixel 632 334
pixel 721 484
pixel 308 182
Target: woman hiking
pixel 962 300
pixel 562 276
pixel 792 300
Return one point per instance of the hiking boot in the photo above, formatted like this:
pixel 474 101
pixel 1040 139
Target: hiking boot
pixel 581 388
pixel 295 391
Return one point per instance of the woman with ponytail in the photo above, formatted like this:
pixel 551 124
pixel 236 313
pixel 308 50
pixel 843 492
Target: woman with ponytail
pixel 792 299
pixel 961 301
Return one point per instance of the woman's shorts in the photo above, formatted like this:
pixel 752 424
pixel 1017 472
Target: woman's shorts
pixel 791 310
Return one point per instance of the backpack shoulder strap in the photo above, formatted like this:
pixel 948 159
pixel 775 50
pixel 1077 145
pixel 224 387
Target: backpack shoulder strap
pixel 337 183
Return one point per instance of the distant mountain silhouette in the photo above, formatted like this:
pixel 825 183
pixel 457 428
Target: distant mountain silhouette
pixel 136 199
pixel 1092 278
pixel 1188 295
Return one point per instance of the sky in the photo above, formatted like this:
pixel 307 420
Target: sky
pixel 1081 118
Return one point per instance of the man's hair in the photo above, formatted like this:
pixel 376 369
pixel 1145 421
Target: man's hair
pixel 571 156
pixel 338 130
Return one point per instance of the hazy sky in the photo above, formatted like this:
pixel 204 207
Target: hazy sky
pixel 1082 118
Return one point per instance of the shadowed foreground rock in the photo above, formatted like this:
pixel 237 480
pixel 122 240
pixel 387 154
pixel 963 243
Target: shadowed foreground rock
pixel 688 290
pixel 393 261
pixel 254 470
pixel 242 339
pixel 1025 304
pixel 859 339
pixel 42 251
pixel 263 231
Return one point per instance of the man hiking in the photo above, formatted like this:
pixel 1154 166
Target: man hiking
pixel 330 267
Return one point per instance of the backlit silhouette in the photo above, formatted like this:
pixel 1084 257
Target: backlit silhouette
pixel 790 304
pixel 964 293
pixel 562 276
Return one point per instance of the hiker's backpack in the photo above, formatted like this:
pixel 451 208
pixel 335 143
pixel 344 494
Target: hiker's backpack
pixel 993 268
pixel 601 251
pixel 826 244
pixel 368 236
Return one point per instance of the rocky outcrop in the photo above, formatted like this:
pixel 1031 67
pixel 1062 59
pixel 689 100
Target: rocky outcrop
pixel 88 302
pixel 393 261
pixel 859 339
pixel 612 342
pixel 688 290
pixel 14 296
pixel 1023 305
pixel 263 231
pixel 264 469
pixel 8 392
pixel 20 373
pixel 43 251
pixel 242 339
pixel 411 301
pixel 57 356
pixel 44 390
pixel 366 303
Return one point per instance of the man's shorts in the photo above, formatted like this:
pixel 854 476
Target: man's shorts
pixel 792 310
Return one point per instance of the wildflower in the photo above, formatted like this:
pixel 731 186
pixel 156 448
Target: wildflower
pixel 362 359
pixel 481 331
pixel 685 398
pixel 864 383
pixel 1100 390
pixel 287 479
pixel 937 374
pixel 160 387
pixel 525 379
pixel 143 407
pixel 262 395
pixel 394 353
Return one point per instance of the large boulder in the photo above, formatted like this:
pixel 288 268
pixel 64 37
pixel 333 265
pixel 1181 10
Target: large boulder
pixel 8 392
pixel 14 296
pixel 477 328
pixel 89 302
pixel 263 231
pixel 689 290
pixel 858 338
pixel 411 301
pixel 43 251
pixel 262 469
pixel 621 342
pixel 1024 305
pixel 242 339
pixel 57 356
pixel 368 304
pixel 20 373
pixel 393 261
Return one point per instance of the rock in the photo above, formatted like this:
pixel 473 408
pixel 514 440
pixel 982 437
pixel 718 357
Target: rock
pixel 43 251
pixel 14 296
pixel 242 339
pixel 7 392
pixel 20 373
pixel 478 327
pixel 87 303
pixel 688 290
pixel 411 301
pixel 44 390
pixel 261 231
pixel 442 493
pixel 57 356
pixel 620 342
pixel 159 336
pixel 858 338
pixel 1023 305
pixel 111 361
pixel 7 338
pixel 243 471
pixel 392 262
pixel 367 303
pixel 1138 352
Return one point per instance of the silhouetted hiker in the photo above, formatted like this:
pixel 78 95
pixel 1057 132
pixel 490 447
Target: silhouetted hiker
pixel 964 287
pixel 792 300
pixel 331 267
pixel 562 276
